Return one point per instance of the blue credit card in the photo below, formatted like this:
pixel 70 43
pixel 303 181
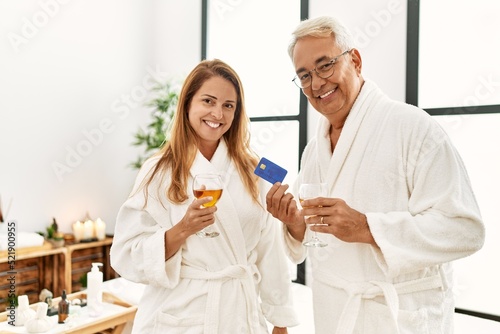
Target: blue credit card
pixel 270 171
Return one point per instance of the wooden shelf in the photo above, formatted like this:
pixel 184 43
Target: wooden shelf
pixel 36 268
pixel 79 258
pixel 32 252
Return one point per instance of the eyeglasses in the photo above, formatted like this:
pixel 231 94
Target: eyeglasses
pixel 324 70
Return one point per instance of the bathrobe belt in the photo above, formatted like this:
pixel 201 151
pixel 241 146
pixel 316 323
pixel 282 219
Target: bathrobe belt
pixel 368 290
pixel 248 275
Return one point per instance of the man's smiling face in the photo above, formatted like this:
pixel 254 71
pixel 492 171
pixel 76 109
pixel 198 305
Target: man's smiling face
pixel 333 96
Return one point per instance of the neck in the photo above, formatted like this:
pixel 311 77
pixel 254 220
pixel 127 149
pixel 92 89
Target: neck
pixel 208 150
pixel 334 136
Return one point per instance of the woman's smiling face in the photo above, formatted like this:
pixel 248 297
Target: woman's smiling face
pixel 211 112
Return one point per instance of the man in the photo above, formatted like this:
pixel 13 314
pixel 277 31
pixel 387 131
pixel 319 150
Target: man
pixel 399 208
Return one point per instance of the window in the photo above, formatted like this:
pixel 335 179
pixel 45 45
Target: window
pixel 252 37
pixel 453 72
pixel 453 56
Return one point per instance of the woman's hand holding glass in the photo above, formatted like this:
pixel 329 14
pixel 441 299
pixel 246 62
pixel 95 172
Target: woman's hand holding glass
pixel 198 216
pixel 207 185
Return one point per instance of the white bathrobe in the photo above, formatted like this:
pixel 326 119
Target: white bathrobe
pixel 211 285
pixel 396 165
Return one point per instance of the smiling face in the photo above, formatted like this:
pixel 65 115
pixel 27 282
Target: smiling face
pixel 333 97
pixel 211 112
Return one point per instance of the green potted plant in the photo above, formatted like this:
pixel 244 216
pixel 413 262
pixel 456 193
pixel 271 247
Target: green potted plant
pixel 156 132
pixel 53 235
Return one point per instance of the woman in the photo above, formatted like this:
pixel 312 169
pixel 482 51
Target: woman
pixel 228 284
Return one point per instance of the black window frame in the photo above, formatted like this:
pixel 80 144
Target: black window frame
pixel 412 68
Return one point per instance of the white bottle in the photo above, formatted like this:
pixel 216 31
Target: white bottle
pixel 94 290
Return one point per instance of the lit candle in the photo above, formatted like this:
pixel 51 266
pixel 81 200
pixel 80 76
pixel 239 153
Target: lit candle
pixel 88 229
pixel 78 231
pixel 100 229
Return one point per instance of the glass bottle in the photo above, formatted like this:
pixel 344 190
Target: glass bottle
pixel 63 309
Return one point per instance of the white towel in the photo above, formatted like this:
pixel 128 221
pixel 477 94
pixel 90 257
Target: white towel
pixel 21 239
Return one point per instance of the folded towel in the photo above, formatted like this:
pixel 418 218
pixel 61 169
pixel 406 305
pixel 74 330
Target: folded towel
pixel 23 239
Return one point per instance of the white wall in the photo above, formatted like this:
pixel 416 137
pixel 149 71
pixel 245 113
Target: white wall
pixel 73 81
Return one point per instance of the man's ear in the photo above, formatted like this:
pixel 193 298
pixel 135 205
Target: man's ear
pixel 356 59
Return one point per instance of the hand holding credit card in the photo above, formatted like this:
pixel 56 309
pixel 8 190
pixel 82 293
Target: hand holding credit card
pixel 270 171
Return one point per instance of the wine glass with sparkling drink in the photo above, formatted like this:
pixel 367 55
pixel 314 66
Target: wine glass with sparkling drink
pixel 309 191
pixel 207 185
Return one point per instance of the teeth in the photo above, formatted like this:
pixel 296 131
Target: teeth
pixel 326 94
pixel 212 124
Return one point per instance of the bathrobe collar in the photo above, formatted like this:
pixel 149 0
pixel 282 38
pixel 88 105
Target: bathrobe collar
pixel 227 219
pixel 330 165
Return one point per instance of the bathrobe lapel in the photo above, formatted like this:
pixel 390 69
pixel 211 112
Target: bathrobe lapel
pixel 330 165
pixel 227 220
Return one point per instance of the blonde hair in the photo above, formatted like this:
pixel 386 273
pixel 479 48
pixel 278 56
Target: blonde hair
pixel 179 152
pixel 322 26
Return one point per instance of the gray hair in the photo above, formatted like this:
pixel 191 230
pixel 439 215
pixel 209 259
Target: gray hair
pixel 322 26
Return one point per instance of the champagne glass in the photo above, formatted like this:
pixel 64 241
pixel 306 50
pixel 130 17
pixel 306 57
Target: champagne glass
pixel 207 185
pixel 309 191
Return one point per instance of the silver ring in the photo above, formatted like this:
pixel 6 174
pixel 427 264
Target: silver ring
pixel 321 220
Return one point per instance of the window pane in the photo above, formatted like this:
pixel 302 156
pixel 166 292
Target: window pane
pixel 279 142
pixel 459 53
pixel 252 37
pixel 476 278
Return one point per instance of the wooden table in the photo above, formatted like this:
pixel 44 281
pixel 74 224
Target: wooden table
pixel 115 316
